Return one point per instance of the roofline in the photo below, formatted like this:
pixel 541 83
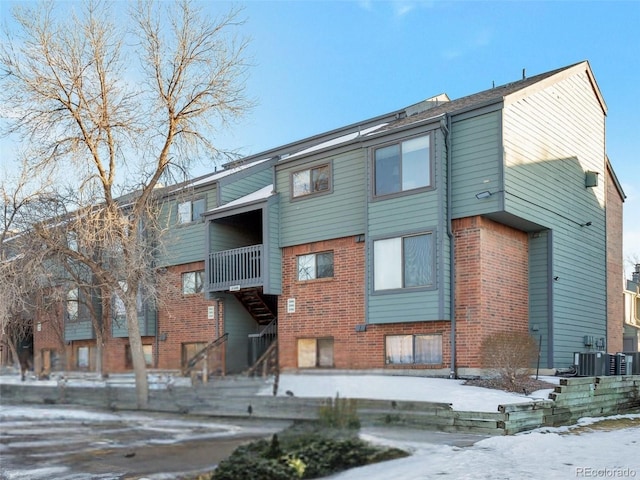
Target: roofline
pixel 614 177
pixel 561 74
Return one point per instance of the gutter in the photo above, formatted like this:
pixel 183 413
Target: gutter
pixel 446 127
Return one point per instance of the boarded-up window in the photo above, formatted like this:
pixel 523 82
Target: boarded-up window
pixel 147 352
pixel 315 352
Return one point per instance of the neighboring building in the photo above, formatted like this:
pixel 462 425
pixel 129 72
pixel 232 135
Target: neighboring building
pixel 632 313
pixel 400 242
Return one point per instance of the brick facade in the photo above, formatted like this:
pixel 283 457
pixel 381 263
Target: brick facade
pixel 332 307
pixel 615 271
pixel 491 284
pixel 491 296
pixel 184 318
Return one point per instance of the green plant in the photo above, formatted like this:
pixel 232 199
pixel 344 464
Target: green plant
pixel 339 413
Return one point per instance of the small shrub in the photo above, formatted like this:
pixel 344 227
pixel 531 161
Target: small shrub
pixel 341 413
pixel 305 450
pixel 510 356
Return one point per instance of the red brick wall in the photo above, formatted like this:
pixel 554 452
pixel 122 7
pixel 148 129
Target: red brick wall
pixel 332 307
pixel 615 272
pixel 183 318
pixel 492 292
pixel 48 334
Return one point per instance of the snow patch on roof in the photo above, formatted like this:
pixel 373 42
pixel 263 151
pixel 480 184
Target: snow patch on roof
pixel 262 194
pixel 339 140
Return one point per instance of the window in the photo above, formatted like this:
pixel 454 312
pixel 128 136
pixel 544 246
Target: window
pixel 315 352
pixel 147 352
pixel 192 282
pixel 403 262
pixel 413 349
pixel 83 358
pixel 191 210
pixel 312 180
pixel 315 265
pixel 72 305
pixel 403 166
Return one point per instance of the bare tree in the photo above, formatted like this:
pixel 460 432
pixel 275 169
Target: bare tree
pixel 118 106
pixel 20 266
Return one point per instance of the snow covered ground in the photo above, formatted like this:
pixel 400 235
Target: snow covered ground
pixel 579 451
pixel 397 387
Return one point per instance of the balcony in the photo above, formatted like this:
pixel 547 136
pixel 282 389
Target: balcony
pixel 235 269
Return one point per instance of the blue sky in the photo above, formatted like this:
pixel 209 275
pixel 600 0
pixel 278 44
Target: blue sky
pixel 325 64
pixel 320 65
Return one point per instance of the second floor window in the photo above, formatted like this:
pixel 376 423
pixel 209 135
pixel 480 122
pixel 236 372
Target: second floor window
pixel 403 262
pixel 73 305
pixel 192 282
pixel 191 210
pixel 311 180
pixel 315 265
pixel 402 166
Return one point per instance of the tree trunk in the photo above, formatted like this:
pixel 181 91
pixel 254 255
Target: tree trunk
pixel 135 344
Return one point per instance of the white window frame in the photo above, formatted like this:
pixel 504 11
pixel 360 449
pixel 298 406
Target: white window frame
pixel 401 349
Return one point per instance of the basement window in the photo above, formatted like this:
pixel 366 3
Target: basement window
pixel 413 349
pixel 315 352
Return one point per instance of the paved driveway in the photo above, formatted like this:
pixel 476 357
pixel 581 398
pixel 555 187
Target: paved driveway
pixel 64 443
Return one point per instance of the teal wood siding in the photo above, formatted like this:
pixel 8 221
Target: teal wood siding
pixel 476 164
pixel 273 285
pixel 337 214
pixel 551 137
pixel 232 188
pixel 227 237
pixel 82 329
pixel 238 324
pixel 539 299
pixel 183 243
pixel 147 322
pixel 411 213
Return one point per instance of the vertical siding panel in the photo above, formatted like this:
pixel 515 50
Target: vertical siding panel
pixel 539 278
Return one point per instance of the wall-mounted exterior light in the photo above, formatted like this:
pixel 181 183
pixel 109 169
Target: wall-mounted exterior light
pixel 482 195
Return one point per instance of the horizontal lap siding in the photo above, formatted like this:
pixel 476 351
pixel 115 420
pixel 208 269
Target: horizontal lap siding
pixel 232 189
pixel 82 330
pixel 476 159
pixel 184 243
pixel 407 214
pixel 551 137
pixel 333 215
